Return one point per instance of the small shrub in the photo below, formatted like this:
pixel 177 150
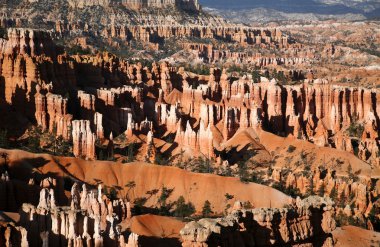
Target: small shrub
pixel 355 130
pixel 228 197
pixel 291 149
pixel 247 205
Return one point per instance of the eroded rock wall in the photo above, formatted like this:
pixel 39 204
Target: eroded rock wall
pixel 308 222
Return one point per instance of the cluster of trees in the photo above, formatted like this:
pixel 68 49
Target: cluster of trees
pixel 293 192
pixel 198 69
pixel 199 164
pixel 238 69
pixel 279 76
pixel 78 50
pixel 45 141
pixel 178 208
pixel 344 220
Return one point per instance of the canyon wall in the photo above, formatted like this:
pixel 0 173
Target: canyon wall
pixel 308 223
pixel 85 3
pixel 192 5
pixel 157 33
pixel 214 54
pixel 204 110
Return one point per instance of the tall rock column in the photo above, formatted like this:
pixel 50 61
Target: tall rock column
pixel 83 139
pixel 41 110
pixel 150 155
pixel 274 102
pixel 206 140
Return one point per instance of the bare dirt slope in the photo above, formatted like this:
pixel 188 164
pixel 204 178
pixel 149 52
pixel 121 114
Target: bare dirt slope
pixel 156 226
pixel 196 188
pixel 270 146
pixel 351 236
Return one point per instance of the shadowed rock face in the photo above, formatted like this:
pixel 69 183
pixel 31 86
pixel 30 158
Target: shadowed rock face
pixel 308 222
pixel 28 42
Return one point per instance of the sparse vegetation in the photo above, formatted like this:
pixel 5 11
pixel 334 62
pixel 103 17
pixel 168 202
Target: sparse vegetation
pixel 46 141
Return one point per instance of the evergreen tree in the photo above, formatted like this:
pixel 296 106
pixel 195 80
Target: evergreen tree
pixel 101 155
pixel 130 185
pixel 247 205
pixel 311 187
pixel 206 209
pixel 34 141
pixel 321 190
pixel 162 200
pixel 183 209
pixel 5 157
pixel 333 194
pixel 243 172
pixel 130 152
pixel 4 139
pixel 349 169
pixel 53 140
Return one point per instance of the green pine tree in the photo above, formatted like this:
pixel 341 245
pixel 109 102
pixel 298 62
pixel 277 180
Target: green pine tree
pixel 206 209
